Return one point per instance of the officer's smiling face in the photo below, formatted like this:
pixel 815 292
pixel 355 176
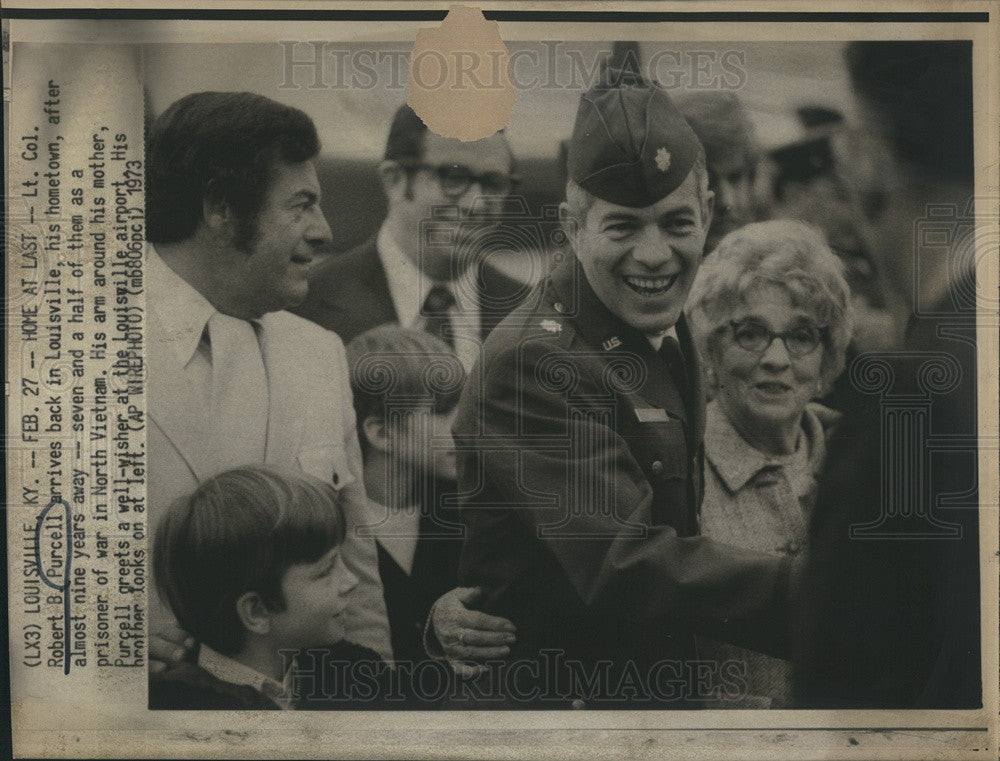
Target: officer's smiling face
pixel 641 262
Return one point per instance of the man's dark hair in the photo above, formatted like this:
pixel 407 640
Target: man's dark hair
pixel 219 146
pixel 406 136
pixel 922 94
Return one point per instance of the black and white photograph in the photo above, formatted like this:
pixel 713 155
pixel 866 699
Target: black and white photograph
pixel 598 381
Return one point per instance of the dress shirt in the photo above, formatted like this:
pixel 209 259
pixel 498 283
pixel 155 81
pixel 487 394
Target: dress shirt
pixel 229 670
pixel 180 308
pixel 397 530
pixel 409 287
pixel 189 314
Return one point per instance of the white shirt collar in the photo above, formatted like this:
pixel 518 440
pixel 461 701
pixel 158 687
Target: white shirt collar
pixel 656 341
pixel 176 305
pixel 404 277
pixel 736 461
pixel 228 670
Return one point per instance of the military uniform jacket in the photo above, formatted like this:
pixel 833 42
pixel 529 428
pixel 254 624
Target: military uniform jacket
pixel 580 466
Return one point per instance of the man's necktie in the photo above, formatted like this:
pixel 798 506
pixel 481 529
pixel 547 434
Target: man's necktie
pixel 435 310
pixel 670 351
pixel 238 410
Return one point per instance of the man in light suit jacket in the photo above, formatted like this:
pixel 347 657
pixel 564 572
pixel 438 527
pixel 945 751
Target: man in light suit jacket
pixel 424 267
pixel 233 379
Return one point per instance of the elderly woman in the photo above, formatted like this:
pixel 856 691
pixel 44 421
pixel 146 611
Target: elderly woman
pixel 770 312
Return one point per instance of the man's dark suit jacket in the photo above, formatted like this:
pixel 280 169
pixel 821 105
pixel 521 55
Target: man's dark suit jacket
pixel 349 294
pixel 409 596
pixel 580 465
pixel 890 616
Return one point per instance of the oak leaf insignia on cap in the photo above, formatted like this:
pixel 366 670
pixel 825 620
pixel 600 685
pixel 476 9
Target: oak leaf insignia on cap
pixel 631 145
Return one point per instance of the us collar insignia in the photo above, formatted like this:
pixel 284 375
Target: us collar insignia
pixel 552 326
pixel 612 343
pixel 662 159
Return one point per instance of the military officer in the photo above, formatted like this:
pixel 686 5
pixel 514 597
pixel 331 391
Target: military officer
pixel 580 440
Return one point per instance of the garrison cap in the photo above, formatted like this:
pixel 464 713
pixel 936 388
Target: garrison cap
pixel 631 145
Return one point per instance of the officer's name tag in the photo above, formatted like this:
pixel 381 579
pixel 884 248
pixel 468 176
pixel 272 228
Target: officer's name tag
pixel 651 415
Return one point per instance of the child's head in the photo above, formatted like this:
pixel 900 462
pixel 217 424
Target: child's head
pixel 406 384
pixel 255 552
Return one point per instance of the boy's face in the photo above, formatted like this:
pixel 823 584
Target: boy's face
pixel 427 446
pixel 442 447
pixel 315 599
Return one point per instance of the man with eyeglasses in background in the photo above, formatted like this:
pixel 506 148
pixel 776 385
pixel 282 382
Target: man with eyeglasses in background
pixel 423 268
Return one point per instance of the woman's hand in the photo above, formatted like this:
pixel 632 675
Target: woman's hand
pixel 469 637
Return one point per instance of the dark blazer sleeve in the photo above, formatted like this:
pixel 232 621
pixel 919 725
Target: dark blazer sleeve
pixel 892 619
pixel 514 459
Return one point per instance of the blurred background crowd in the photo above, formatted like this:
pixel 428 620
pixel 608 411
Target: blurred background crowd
pixel 778 121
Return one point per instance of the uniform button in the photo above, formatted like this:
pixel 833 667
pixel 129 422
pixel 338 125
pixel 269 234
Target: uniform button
pixel 578 704
pixel 794 547
pixel 558 307
pixel 656 467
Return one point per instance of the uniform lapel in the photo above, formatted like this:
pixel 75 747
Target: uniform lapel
pixel 695 380
pixel 599 328
pixel 697 419
pixel 660 389
pixel 496 296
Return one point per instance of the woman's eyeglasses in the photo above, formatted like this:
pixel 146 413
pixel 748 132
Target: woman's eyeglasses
pixel 456 179
pixel 757 337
